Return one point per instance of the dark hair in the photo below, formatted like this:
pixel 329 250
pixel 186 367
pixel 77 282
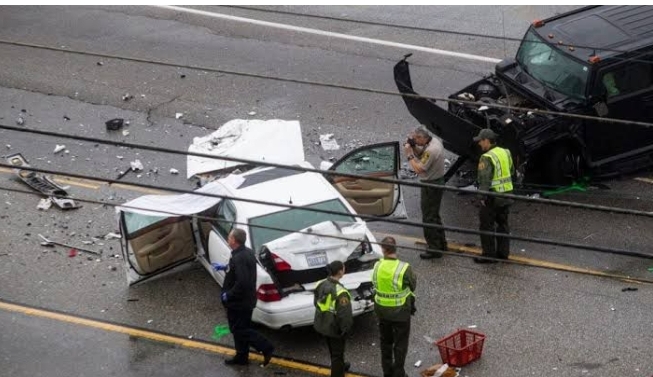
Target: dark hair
pixel 334 267
pixel 389 245
pixel 239 235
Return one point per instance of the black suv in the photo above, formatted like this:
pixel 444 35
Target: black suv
pixel 593 61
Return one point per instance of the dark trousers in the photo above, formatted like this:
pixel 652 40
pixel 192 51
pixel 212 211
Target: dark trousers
pixel 494 218
pixel 240 322
pixel 337 352
pixel 394 347
pixel 430 203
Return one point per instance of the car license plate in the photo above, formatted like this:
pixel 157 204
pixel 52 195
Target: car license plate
pixel 317 259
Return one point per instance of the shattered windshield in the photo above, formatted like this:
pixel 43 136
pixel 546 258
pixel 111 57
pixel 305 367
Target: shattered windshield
pixel 294 219
pixel 551 67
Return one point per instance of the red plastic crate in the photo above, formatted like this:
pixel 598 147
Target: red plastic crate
pixel 461 348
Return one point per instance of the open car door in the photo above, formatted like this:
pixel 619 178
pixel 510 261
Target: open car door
pixel 371 197
pixel 154 244
pixel 158 232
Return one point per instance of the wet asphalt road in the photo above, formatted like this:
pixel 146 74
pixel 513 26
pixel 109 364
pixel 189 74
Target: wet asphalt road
pixel 543 321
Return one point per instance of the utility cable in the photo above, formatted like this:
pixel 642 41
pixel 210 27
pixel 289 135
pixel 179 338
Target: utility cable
pixel 329 85
pixel 361 216
pixel 555 202
pixel 441 31
pixel 412 248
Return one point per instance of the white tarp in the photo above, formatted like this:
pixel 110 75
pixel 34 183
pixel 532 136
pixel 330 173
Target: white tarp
pixel 278 141
pixel 181 205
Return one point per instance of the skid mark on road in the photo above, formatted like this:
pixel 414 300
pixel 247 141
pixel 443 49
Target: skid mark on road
pixel 162 337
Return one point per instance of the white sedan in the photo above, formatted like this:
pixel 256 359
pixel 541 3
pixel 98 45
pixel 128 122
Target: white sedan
pixel 292 245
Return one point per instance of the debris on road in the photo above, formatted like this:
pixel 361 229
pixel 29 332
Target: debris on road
pixel 8 146
pixel 125 133
pixel 471 326
pixel 112 236
pixel 136 165
pixel 150 320
pixel 114 124
pixel 418 363
pixel 182 76
pixel 66 118
pixel 219 331
pixel 178 115
pixel 112 268
pixel 100 63
pixel 440 370
pixel 174 171
pixel 47 242
pixel 44 204
pixel 72 253
pixel 20 121
pixel 629 289
pixel 42 183
pixel 127 97
pixel 329 143
pixel 251 113
pixel 59 148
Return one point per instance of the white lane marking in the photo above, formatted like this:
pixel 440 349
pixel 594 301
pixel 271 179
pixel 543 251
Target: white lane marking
pixel 331 34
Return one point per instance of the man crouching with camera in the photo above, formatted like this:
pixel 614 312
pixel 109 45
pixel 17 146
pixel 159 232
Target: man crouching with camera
pixel 426 157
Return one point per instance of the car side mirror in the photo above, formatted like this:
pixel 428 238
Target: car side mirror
pixel 601 108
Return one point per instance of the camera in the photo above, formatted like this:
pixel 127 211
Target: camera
pixel 411 142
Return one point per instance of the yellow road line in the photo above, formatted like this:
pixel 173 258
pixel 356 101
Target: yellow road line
pixel 163 338
pixel 453 246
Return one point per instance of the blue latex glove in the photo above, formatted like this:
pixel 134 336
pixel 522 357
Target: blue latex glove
pixel 223 296
pixel 219 266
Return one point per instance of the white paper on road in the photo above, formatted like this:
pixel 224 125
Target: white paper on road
pixel 181 205
pixel 274 140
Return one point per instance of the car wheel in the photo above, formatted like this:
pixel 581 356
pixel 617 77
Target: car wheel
pixel 564 165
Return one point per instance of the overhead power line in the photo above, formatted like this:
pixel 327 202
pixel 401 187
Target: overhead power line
pixel 433 30
pixel 362 216
pixel 334 173
pixel 329 85
pixel 421 249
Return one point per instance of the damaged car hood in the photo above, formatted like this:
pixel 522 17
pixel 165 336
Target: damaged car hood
pixel 181 205
pixel 298 248
pixel 278 141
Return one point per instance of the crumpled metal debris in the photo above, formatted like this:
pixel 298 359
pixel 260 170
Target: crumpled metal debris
pixel 41 183
pixel 328 142
pixel 136 165
pixel 44 204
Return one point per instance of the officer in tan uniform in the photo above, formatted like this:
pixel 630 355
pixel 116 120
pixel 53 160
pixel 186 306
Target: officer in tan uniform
pixel 426 156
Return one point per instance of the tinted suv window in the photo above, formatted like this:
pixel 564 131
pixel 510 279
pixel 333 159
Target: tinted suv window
pixel 372 160
pixel 226 215
pixel 626 78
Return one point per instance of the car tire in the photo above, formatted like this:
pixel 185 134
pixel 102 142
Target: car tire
pixel 563 165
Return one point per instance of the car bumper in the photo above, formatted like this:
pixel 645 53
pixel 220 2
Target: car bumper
pixel 298 311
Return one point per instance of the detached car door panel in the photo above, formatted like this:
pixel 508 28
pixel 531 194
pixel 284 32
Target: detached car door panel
pixel 366 196
pixel 152 244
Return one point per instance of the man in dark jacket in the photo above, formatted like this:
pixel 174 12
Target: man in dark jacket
pixel 333 316
pixel 239 297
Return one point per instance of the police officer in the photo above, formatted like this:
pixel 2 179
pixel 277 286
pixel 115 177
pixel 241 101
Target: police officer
pixel 394 282
pixel 333 316
pixel 495 170
pixel 239 297
pixel 426 157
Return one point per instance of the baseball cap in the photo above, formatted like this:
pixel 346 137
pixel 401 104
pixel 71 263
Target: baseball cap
pixel 485 133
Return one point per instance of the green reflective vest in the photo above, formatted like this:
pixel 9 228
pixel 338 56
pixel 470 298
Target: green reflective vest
pixel 501 162
pixel 329 302
pixel 388 280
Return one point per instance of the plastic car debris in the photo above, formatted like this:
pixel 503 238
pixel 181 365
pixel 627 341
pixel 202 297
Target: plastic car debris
pixel 44 204
pixel 114 124
pixel 112 236
pixel 47 242
pixel 59 148
pixel 174 171
pixel 136 165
